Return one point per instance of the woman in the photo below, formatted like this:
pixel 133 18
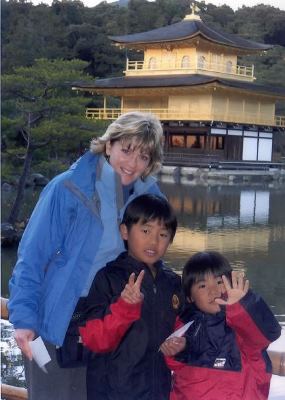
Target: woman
pixel 72 233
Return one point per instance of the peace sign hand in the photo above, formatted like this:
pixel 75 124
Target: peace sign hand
pixel 132 292
pixel 235 291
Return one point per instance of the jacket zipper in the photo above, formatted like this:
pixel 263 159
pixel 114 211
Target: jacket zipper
pixel 154 374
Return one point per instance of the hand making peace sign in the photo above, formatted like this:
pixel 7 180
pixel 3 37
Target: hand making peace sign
pixel 132 292
pixel 235 291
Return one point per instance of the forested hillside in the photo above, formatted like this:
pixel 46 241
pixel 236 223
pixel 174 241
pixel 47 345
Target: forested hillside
pixel 70 30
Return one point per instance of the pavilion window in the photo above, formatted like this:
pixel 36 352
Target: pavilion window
pixel 177 141
pixel 195 142
pixel 217 143
pixel 152 63
pixel 185 63
pixel 229 67
pixel 201 61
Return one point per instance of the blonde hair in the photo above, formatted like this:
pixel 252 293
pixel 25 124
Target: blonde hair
pixel 142 129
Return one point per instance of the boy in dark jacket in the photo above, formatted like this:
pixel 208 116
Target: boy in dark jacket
pixel 133 304
pixel 223 353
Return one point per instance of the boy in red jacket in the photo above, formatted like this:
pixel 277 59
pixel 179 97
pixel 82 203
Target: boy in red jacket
pixel 133 304
pixel 223 353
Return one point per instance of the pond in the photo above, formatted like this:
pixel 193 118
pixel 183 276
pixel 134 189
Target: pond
pixel 246 223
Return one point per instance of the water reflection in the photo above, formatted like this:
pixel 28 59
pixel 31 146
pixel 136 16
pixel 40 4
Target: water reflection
pixel 246 224
pixel 254 207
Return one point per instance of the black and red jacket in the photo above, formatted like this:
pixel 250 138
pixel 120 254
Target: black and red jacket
pixel 125 338
pixel 225 355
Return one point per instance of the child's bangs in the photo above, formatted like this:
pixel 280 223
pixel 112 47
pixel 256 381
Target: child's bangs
pixel 215 270
pixel 154 217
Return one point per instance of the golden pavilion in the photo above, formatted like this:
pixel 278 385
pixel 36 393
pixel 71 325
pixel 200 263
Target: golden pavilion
pixel 209 105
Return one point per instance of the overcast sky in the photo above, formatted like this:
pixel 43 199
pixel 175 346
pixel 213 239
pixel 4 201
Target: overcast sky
pixel 234 4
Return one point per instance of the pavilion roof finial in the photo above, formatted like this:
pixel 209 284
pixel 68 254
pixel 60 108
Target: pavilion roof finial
pixel 194 9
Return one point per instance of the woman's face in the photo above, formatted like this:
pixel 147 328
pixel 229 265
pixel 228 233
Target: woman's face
pixel 129 161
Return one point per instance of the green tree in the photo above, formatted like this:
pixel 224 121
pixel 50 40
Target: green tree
pixel 30 32
pixel 261 23
pixel 89 41
pixel 43 119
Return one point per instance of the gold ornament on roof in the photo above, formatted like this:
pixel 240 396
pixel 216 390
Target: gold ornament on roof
pixel 194 9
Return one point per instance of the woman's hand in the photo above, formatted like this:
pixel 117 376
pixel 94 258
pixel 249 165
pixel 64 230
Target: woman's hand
pixel 132 292
pixel 235 291
pixel 173 346
pixel 23 337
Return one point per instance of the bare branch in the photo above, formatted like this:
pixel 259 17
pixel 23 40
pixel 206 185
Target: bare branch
pixel 25 135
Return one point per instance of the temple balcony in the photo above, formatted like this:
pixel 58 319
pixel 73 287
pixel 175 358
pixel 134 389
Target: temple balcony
pixel 222 70
pixel 178 115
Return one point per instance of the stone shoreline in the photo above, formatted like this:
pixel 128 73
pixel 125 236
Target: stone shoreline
pixel 199 175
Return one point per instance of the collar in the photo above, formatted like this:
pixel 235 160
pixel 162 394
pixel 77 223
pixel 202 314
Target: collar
pixel 83 171
pixel 91 167
pixel 192 312
pixel 110 181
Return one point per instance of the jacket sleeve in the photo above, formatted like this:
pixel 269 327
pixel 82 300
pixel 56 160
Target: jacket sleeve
pixel 254 323
pixel 110 317
pixel 41 242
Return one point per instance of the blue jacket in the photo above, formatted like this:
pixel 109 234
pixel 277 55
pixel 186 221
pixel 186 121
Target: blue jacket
pixel 73 231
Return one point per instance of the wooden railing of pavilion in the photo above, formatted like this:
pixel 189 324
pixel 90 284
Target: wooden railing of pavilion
pixel 16 393
pixel 198 67
pixel 166 114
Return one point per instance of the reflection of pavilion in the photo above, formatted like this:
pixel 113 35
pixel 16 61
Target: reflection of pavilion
pixel 219 207
pixel 254 209
pixel 247 226
pixel 221 217
pixel 228 242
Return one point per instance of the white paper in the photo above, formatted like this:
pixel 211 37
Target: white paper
pixel 180 332
pixel 40 353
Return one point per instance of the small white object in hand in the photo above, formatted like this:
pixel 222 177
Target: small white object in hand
pixel 180 332
pixel 40 353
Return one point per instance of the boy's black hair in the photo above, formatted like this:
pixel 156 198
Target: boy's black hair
pixel 149 207
pixel 200 265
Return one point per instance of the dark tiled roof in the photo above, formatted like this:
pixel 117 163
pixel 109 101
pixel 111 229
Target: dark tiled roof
pixel 187 29
pixel 153 81
pixel 124 82
pixel 266 89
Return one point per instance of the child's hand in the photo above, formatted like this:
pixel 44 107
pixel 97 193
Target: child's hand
pixel 173 346
pixel 236 291
pixel 132 292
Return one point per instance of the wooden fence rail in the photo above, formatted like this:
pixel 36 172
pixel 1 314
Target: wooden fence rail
pixel 15 393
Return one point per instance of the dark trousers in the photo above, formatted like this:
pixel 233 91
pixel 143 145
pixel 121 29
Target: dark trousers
pixel 58 383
